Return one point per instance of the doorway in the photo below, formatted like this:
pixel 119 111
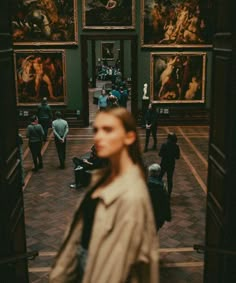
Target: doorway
pixel 108 61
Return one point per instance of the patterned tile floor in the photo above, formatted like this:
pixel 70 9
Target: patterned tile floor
pixel 49 202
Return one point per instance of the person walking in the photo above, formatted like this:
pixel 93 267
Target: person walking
pixel 169 152
pixel 45 116
pixel 113 225
pixel 159 196
pixel 151 120
pixel 35 134
pixel 60 129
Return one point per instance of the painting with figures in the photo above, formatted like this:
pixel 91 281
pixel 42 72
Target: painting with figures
pixel 178 77
pixel 40 74
pixel 45 22
pixel 108 14
pixel 176 23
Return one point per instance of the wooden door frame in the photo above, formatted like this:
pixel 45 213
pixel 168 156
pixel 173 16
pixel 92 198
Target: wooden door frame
pixel 84 68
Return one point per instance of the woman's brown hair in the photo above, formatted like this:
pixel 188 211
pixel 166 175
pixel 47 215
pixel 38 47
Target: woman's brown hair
pixel 129 123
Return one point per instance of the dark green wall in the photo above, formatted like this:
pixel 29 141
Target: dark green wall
pixel 73 78
pixel 73 63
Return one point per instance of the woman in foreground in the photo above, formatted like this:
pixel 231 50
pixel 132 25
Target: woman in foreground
pixel 112 237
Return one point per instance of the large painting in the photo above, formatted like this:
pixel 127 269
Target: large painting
pixel 40 74
pixel 176 23
pixel 44 22
pixel 178 77
pixel 108 14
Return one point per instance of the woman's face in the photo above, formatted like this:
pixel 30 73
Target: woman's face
pixel 110 137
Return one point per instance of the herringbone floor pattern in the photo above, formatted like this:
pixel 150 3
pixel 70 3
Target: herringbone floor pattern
pixel 49 203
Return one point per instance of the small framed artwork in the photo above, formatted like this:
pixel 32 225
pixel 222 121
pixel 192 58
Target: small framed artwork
pixel 44 22
pixel 182 23
pixel 38 74
pixel 108 14
pixel 107 50
pixel 178 77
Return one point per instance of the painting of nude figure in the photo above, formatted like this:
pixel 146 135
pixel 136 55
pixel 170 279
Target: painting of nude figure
pixel 176 23
pixel 108 14
pixel 40 74
pixel 178 77
pixel 44 22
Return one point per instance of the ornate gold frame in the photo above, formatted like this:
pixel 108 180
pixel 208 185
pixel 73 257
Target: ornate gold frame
pixel 177 77
pixel 111 22
pixel 176 25
pixel 40 73
pixel 45 23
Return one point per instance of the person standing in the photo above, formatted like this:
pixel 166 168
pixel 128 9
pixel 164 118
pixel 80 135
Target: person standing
pixel 151 120
pixel 35 134
pixel 102 100
pixel 44 116
pixel 60 129
pixel 123 97
pixel 115 92
pixel 113 225
pixel 169 152
pixel 159 196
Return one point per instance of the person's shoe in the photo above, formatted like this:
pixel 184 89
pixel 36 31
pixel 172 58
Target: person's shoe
pixel 75 186
pixel 40 166
pixel 78 168
pixel 34 169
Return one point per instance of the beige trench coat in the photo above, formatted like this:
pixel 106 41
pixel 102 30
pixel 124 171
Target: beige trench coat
pixel 123 241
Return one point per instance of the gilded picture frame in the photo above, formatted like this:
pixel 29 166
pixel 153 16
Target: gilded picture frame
pixel 176 23
pixel 38 74
pixel 177 77
pixel 45 22
pixel 107 50
pixel 108 14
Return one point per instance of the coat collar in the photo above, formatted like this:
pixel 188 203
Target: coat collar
pixel 119 186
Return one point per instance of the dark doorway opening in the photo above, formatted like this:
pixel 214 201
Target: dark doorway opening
pixel 113 51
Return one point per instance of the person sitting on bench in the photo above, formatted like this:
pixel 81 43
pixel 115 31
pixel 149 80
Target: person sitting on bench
pixel 83 166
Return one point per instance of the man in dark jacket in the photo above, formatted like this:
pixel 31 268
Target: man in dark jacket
pixel 35 135
pixel 169 152
pixel 159 196
pixel 151 119
pixel 45 116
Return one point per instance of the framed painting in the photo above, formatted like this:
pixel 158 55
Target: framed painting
pixel 108 14
pixel 38 74
pixel 107 50
pixel 178 77
pixel 44 22
pixel 176 23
